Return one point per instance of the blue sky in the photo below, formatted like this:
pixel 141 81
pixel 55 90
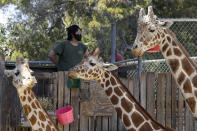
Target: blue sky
pixel 7 12
pixel 3 19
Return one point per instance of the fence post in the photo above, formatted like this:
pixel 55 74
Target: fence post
pixel 113 42
pixel 3 117
pixel 139 67
pixel 139 74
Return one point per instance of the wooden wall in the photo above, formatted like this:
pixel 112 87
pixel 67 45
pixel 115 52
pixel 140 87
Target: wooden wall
pixel 157 93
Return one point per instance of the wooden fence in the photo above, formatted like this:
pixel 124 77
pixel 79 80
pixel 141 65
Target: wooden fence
pixel 157 93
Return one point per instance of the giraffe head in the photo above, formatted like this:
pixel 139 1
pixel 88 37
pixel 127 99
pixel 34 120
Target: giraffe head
pixel 149 33
pixel 21 74
pixel 91 67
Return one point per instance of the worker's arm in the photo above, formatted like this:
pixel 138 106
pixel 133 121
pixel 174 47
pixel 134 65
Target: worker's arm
pixel 52 56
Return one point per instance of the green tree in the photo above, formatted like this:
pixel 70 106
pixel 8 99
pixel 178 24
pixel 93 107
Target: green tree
pixel 176 8
pixel 45 21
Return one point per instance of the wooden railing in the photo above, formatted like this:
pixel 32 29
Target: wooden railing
pixel 157 93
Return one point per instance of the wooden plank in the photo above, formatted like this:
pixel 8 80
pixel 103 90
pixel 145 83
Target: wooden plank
pixel 52 96
pixel 83 117
pixel 143 90
pixel 125 82
pixel 136 90
pixel 105 123
pixel 55 91
pixel 174 104
pixel 60 93
pixel 42 75
pixel 3 92
pixel 92 125
pixel 84 94
pixel 195 125
pixel 113 121
pixel 150 94
pixel 25 129
pixel 188 120
pixel 130 86
pixel 4 98
pixel 180 111
pixel 2 126
pixel 12 129
pixel 98 123
pixel 168 100
pixel 99 104
pixel 75 105
pixel 67 99
pixel 191 122
pixel 161 99
pixel 18 129
pixel 38 89
pixel 120 125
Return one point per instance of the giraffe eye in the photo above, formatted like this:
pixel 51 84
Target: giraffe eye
pixel 17 73
pixel 92 64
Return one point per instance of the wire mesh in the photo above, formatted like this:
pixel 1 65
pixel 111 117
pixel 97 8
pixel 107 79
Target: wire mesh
pixel 186 33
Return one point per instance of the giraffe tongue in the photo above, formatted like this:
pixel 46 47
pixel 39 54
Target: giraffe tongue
pixel 154 49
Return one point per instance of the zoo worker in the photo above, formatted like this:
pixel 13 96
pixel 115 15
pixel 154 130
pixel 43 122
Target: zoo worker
pixel 70 51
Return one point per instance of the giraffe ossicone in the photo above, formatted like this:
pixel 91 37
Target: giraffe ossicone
pixel 132 114
pixel 24 82
pixel 152 31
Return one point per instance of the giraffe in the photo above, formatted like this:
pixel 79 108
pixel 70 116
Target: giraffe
pixel 24 82
pixel 151 32
pixel 132 114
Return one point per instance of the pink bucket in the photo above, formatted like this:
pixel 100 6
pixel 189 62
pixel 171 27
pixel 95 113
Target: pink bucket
pixel 65 115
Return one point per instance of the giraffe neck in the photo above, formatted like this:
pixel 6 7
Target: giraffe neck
pixel 182 68
pixel 128 109
pixel 37 116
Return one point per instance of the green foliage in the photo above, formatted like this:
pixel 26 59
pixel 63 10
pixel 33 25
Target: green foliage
pixel 45 23
pixel 176 8
pixel 4 46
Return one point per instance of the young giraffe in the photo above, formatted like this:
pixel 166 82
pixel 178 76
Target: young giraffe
pixel 134 117
pixel 24 81
pixel 152 32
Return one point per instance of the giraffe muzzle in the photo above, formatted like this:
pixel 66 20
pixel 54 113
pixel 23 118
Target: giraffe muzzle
pixel 72 74
pixel 137 52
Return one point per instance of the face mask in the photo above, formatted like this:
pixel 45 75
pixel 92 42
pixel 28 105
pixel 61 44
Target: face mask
pixel 77 37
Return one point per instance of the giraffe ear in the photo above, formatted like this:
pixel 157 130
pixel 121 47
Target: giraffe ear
pixel 96 52
pixel 31 71
pixel 85 56
pixel 18 61
pixel 7 73
pixel 26 62
pixel 109 67
pixel 34 79
pixel 165 24
pixel 150 12
pixel 141 13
